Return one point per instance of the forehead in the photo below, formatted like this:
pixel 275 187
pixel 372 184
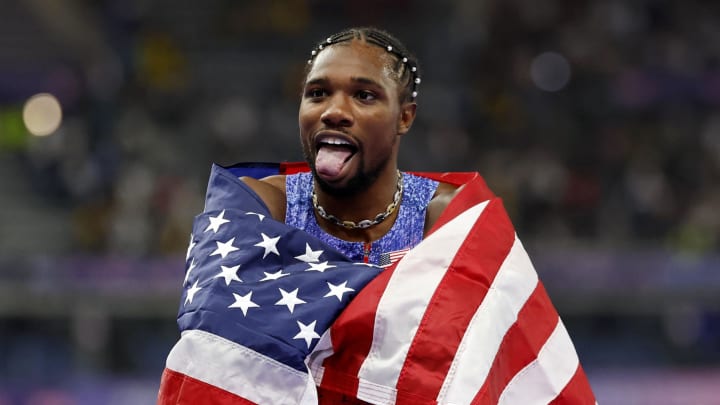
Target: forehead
pixel 351 60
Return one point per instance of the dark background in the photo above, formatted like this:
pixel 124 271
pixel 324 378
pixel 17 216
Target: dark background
pixel 597 122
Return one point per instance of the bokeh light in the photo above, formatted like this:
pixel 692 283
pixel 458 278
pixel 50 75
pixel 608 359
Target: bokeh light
pixel 550 71
pixel 42 114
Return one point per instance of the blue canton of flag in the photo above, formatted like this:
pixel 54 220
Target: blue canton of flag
pixel 258 282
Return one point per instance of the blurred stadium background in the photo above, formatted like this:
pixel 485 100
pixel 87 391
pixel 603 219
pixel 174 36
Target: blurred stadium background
pixel 597 121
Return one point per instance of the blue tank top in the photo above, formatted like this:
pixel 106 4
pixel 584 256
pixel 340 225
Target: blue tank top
pixel 406 232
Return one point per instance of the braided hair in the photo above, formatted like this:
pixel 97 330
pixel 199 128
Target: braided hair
pixel 406 67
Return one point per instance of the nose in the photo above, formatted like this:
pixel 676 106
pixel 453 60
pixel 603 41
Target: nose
pixel 337 112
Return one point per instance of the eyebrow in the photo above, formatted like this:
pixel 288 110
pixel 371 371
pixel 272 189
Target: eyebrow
pixel 361 80
pixel 365 80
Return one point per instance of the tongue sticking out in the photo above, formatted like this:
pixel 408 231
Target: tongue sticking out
pixel 330 159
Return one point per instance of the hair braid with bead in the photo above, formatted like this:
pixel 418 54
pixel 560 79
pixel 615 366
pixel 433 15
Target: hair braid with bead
pixel 407 68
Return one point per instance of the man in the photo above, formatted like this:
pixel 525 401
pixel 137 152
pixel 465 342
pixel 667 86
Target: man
pixel 358 101
pixel 272 308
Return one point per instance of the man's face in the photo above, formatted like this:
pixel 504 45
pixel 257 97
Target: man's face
pixel 350 117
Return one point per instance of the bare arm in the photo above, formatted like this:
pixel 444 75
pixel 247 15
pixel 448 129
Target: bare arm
pixel 272 191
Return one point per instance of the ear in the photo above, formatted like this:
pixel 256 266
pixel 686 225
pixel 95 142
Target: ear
pixel 407 116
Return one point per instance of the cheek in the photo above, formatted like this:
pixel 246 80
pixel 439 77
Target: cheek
pixel 307 116
pixel 384 122
pixel 302 116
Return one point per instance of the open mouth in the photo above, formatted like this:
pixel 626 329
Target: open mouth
pixel 332 153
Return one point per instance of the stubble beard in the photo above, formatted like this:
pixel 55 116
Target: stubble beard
pixel 361 181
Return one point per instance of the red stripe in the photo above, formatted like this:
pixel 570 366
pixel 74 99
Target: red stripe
pixel 577 391
pixel 455 301
pixel 179 389
pixel 352 334
pixel 327 397
pixel 521 344
pixel 293 167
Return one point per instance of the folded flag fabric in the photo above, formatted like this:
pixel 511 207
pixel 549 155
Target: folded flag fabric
pixel 268 312
pixel 257 297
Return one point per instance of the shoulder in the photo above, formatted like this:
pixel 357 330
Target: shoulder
pixel 271 190
pixel 444 193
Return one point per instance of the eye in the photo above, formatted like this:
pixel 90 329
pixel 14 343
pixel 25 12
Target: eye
pixel 366 95
pixel 315 92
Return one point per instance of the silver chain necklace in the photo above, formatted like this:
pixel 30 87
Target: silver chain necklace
pixel 365 223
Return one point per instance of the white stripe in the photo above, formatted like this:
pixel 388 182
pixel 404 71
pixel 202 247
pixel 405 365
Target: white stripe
pixel 515 281
pixel 543 379
pixel 406 297
pixel 239 370
pixel 375 393
pixel 323 349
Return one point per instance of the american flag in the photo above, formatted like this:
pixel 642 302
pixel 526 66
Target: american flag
pixel 460 319
pixel 389 258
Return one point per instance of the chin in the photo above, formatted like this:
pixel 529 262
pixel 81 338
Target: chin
pixel 349 186
pixel 342 188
